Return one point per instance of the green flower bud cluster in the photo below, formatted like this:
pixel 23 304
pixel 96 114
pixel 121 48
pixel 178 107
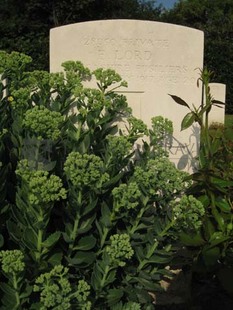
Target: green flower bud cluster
pixel 107 77
pixel 126 196
pixel 85 170
pixel 119 249
pixel 75 72
pixel 55 289
pixel 86 306
pixel 137 126
pixel 42 187
pixel 91 100
pixel 188 214
pixel 43 123
pixel 38 79
pixel 57 80
pixel 20 97
pixel 162 127
pixel 118 146
pixel 12 261
pixel 119 104
pixel 82 294
pixel 13 61
pixel 45 188
pixel 160 177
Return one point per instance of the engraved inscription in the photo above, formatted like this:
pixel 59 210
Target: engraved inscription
pixel 160 73
pixel 132 55
pixel 134 58
pixel 124 42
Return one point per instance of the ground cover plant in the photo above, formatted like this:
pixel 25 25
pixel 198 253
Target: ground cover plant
pixel 87 217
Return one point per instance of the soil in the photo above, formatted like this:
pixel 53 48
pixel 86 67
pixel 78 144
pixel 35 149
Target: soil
pixel 184 292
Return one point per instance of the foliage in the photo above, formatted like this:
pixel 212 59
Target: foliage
pixel 212 186
pixel 215 18
pixel 25 26
pixel 86 218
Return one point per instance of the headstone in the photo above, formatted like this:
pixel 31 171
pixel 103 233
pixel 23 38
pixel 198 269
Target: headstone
pixel 218 92
pixel 156 59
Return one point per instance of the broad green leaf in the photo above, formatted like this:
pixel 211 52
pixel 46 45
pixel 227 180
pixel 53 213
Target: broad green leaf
pixel 55 259
pixel 113 180
pixel 191 240
pixel 158 259
pixel 67 238
pixel 86 224
pixel 96 277
pixel 217 238
pixel 27 291
pixel 30 239
pixel 110 278
pixel 204 199
pixel 82 258
pixel 105 219
pixel 86 243
pixel 52 239
pixel 220 182
pixel 14 231
pixel 149 285
pixel 179 100
pixel 9 302
pixel 209 228
pixel 223 205
pixel 114 296
pixel 7 289
pixel 188 120
pixel 90 207
pixel 219 219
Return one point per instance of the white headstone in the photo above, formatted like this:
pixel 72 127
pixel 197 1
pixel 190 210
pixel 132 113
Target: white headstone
pixel 218 92
pixel 156 59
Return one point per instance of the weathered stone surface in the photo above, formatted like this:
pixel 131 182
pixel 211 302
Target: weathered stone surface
pixel 156 59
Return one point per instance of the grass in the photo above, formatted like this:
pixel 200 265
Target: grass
pixel 229 126
pixel 229 120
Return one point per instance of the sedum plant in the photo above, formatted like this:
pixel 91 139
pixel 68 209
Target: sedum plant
pixel 87 213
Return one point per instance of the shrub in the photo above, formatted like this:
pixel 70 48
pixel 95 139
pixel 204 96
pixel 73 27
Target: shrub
pixel 86 219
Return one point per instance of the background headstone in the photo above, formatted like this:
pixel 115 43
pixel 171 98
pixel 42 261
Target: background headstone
pixel 218 92
pixel 156 59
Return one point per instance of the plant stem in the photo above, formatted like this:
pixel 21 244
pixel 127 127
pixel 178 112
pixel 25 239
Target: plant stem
pixel 37 153
pixel 39 238
pixel 106 271
pixel 15 285
pixel 39 245
pixel 148 255
pixel 138 218
pixel 104 236
pixel 75 228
